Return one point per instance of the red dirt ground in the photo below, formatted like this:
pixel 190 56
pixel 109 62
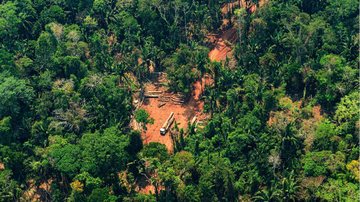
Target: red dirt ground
pixel 182 113
pixel 221 49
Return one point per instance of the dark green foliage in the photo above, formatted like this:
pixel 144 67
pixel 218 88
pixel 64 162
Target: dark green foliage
pixel 101 195
pixel 9 189
pixel 15 96
pixel 65 158
pixel 283 109
pixel 183 67
pixel 325 136
pixel 155 150
pixel 321 163
pixel 9 23
pixel 107 104
pixel 135 143
pixel 141 116
pixel 103 152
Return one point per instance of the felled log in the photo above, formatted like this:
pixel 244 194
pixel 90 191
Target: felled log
pixel 164 99
pixel 177 100
pixel 154 92
pixel 193 120
pixel 151 95
pixel 168 120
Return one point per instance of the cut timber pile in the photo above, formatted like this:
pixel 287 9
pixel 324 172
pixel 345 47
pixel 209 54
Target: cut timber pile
pixel 152 94
pixel 179 95
pixel 164 98
pixel 178 99
pixel 154 91
pixel 194 123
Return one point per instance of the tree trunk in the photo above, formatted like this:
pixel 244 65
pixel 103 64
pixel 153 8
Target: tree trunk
pixel 156 191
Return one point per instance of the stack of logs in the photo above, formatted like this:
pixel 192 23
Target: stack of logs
pixel 163 99
pixel 152 94
pixel 177 99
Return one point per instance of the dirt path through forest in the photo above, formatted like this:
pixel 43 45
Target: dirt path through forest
pixel 223 47
pixel 228 34
pixel 195 105
pixel 222 41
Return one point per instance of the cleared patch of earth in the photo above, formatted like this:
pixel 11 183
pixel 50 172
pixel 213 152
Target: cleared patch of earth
pixel 223 48
pixel 222 42
pixel 183 113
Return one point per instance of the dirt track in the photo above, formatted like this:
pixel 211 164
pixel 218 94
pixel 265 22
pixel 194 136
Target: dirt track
pixel 222 42
pixel 222 47
pixel 227 36
pixel 184 113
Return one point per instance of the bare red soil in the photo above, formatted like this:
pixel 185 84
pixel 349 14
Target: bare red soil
pixel 195 106
pixel 222 47
pixel 182 113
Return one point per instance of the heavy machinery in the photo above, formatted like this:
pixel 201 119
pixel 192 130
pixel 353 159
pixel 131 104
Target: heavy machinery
pixel 165 127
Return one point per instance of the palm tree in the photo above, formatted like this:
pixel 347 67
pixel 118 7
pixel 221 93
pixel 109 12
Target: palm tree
pixel 240 14
pixel 211 98
pixel 289 187
pixel 267 195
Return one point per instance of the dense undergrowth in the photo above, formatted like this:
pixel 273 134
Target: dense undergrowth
pixel 284 123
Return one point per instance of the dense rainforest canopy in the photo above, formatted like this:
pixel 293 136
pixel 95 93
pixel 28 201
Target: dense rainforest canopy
pixel 284 107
